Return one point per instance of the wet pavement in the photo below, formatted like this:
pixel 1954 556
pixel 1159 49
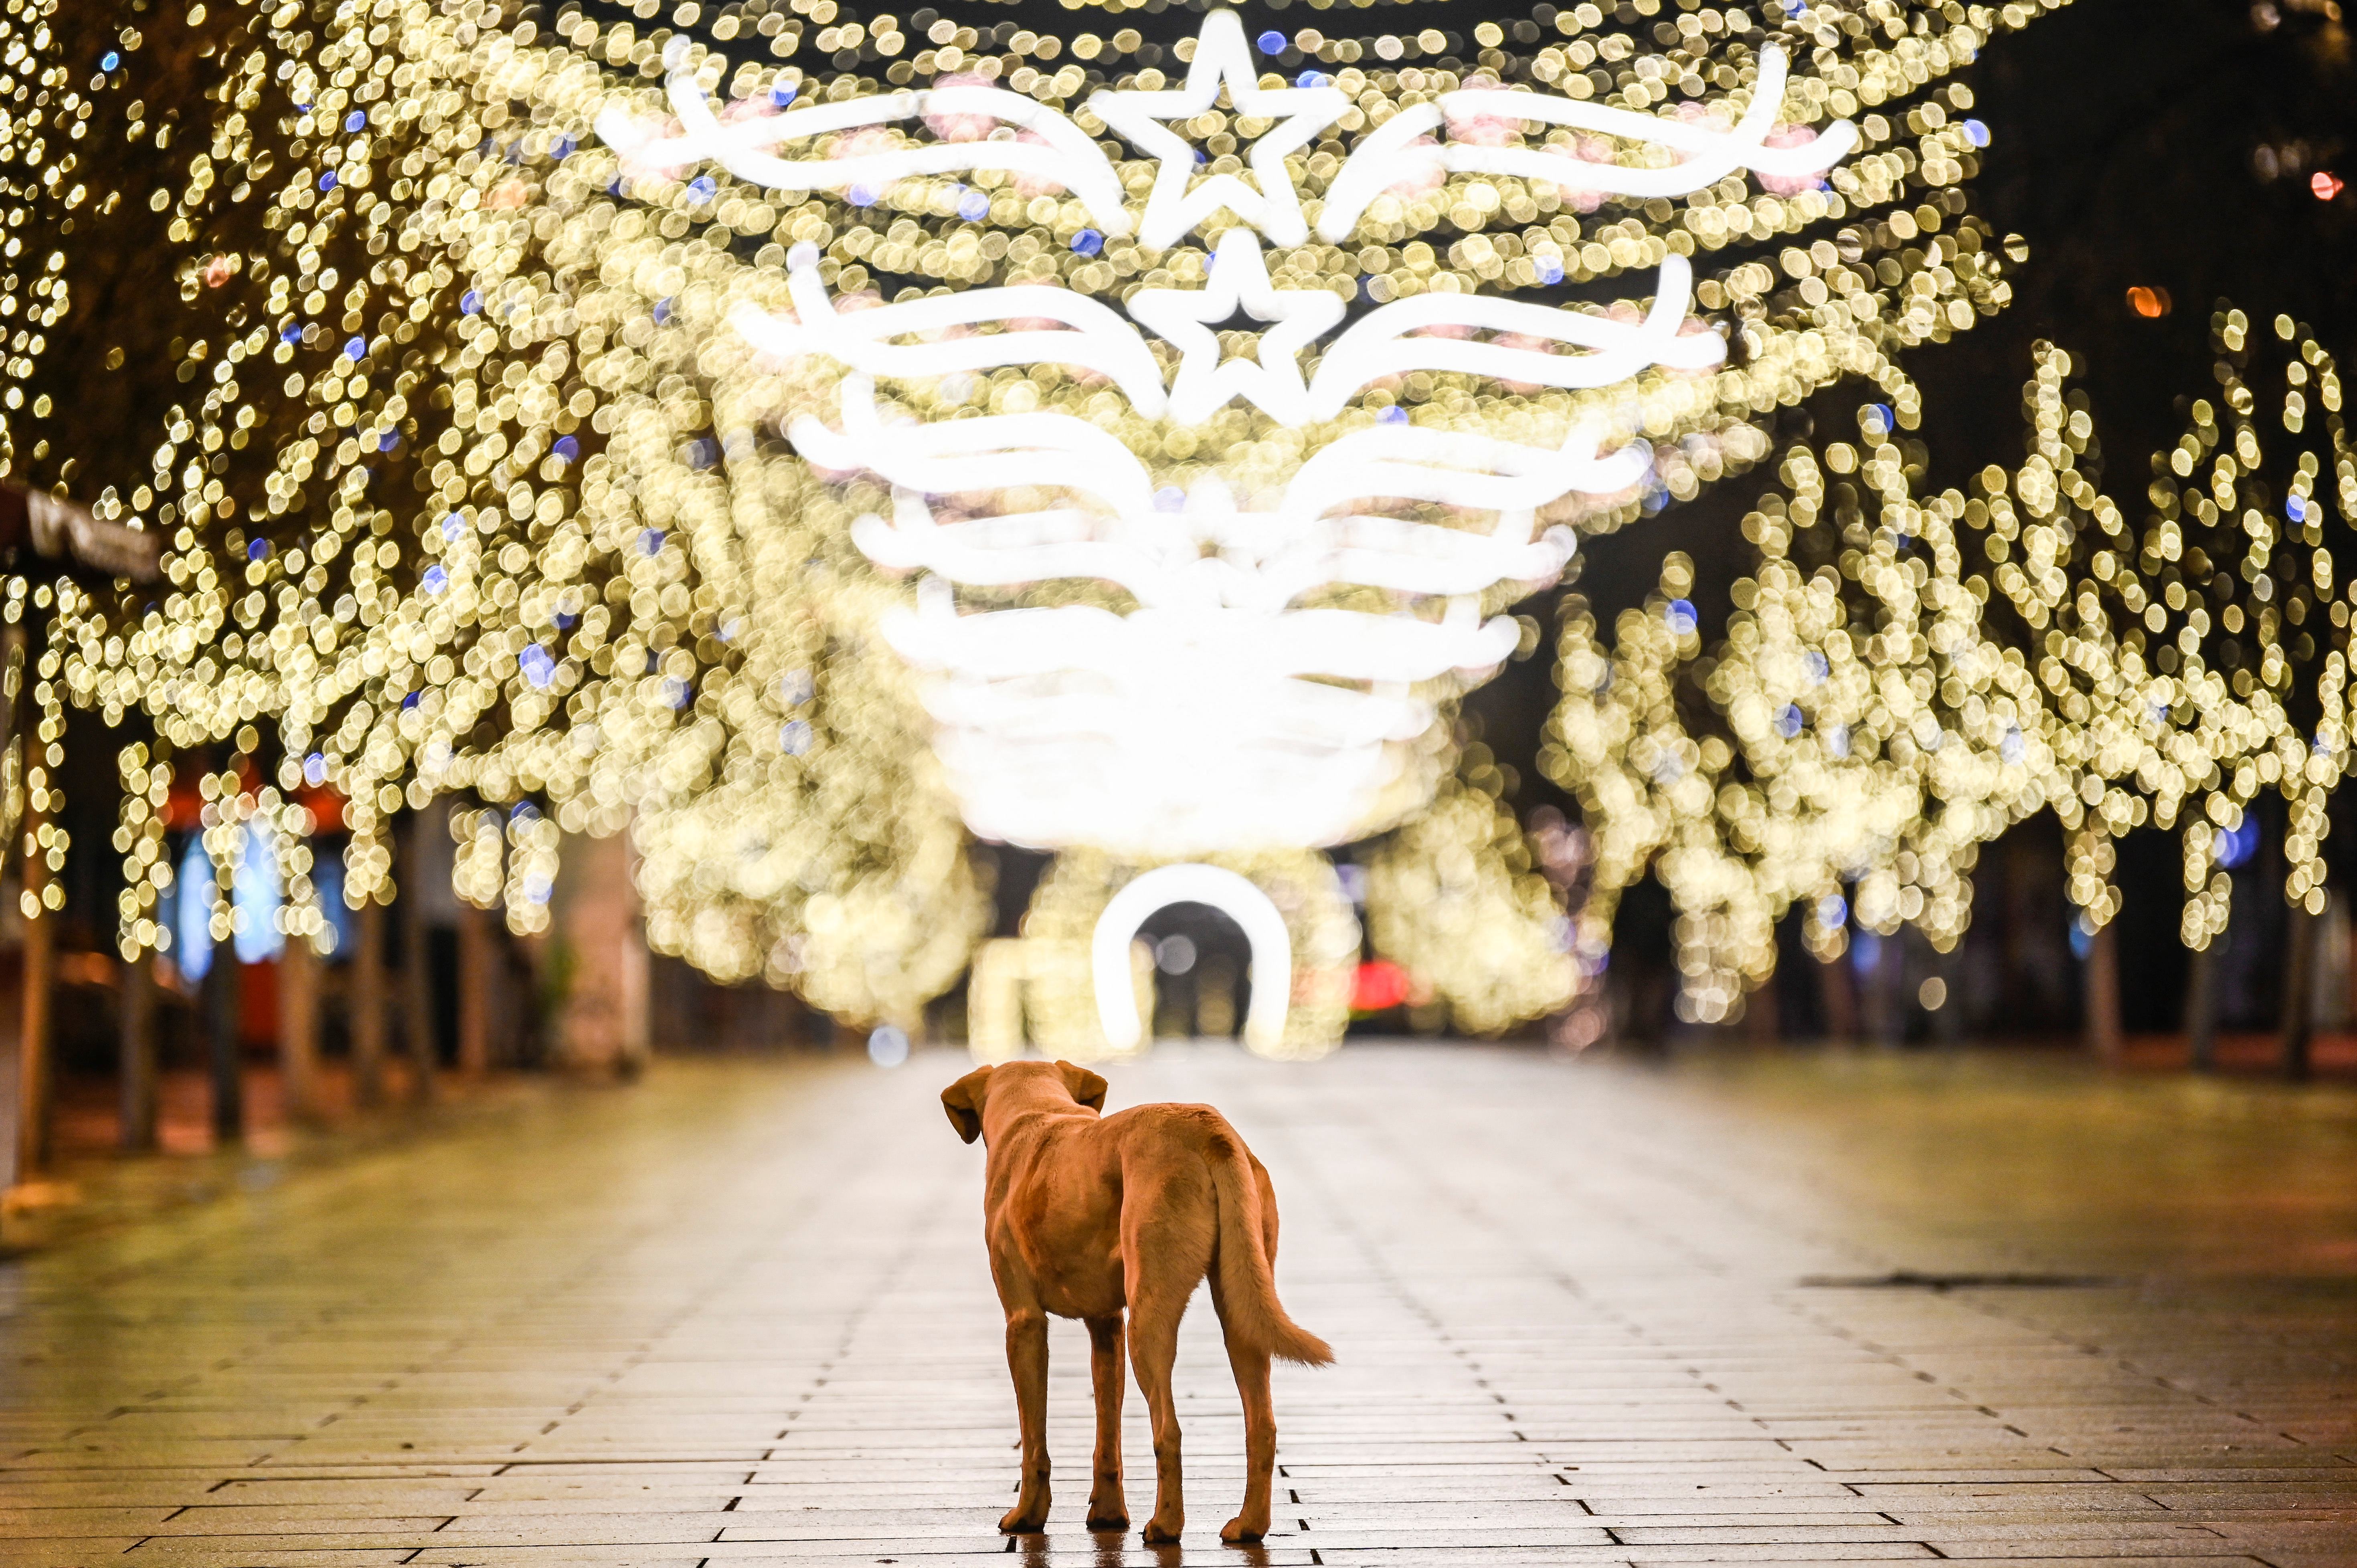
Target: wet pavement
pixel 1796 1309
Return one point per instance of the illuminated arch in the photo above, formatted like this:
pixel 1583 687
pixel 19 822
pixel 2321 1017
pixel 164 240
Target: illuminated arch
pixel 1235 897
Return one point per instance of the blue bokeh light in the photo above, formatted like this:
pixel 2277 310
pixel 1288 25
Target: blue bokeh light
pixel 2238 844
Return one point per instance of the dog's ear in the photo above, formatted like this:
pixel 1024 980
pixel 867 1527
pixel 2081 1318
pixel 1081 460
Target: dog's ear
pixel 1085 1086
pixel 963 1100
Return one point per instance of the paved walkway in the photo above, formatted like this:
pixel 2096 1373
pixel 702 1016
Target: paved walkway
pixel 1585 1313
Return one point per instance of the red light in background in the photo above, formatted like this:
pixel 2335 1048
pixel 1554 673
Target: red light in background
pixel 2151 303
pixel 326 805
pixel 1377 985
pixel 2327 185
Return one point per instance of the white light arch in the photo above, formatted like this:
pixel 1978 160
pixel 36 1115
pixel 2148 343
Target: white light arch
pixel 1232 895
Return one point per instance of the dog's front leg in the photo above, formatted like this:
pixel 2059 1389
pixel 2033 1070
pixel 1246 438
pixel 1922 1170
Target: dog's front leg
pixel 1027 1359
pixel 1108 1508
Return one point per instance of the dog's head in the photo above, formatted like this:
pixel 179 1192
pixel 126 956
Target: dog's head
pixel 1049 1081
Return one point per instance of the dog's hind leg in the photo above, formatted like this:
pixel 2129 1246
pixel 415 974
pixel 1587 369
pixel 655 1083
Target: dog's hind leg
pixel 1161 1265
pixel 1027 1359
pixel 1108 1508
pixel 1153 1346
pixel 1251 1368
pixel 1169 1226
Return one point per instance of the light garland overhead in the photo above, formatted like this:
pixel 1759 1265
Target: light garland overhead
pixel 508 514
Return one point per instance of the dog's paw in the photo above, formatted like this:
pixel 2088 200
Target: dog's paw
pixel 1109 1519
pixel 1018 1521
pixel 1238 1533
pixel 1158 1534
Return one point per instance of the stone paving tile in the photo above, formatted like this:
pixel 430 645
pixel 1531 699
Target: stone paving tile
pixel 1587 1314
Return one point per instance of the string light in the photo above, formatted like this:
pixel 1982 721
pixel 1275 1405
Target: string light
pixel 1453 898
pixel 476 486
pixel 148 874
pixel 1866 726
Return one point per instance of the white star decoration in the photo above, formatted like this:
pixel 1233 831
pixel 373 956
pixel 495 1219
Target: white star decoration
pixel 1221 55
pixel 1239 281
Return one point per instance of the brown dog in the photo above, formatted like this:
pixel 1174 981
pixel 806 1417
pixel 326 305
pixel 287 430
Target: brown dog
pixel 1086 1215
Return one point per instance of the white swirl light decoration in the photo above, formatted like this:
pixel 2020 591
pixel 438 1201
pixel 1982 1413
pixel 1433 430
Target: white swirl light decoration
pixel 1076 725
pixel 1048 147
pixel 1061 152
pixel 1395 151
pixel 1219 714
pixel 1394 339
pixel 1235 704
pixel 1094 337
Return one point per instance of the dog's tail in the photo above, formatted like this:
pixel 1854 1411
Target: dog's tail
pixel 1247 1282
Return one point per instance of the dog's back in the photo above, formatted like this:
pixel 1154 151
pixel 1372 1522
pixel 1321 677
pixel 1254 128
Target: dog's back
pixel 1196 1203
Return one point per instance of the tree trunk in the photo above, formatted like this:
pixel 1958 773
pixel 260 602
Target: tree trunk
pixel 298 1027
pixel 33 1066
pixel 2300 989
pixel 601 1020
pixel 1763 1021
pixel 137 1054
pixel 20 1125
pixel 1837 992
pixel 1890 989
pixel 478 989
pixel 12 1108
pixel 367 998
pixel 223 1006
pixel 2101 978
pixel 417 962
pixel 2202 1006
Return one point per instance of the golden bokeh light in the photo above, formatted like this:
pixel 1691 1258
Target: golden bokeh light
pixel 474 490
